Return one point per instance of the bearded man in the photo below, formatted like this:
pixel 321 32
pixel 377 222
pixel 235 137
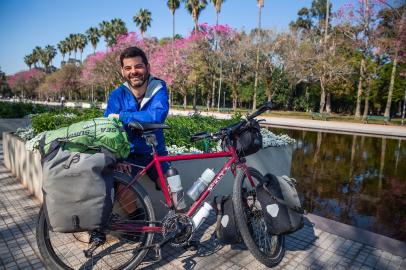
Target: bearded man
pixel 142 98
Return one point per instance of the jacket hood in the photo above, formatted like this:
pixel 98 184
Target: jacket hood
pixel 154 85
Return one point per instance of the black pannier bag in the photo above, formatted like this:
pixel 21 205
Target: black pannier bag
pixel 280 204
pixel 248 140
pixel 227 231
pixel 77 190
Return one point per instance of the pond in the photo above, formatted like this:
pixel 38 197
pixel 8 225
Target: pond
pixel 357 180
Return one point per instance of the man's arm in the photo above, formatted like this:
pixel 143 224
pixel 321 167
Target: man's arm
pixel 113 106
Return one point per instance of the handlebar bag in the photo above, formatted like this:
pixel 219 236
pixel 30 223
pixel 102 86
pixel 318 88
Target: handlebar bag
pixel 226 228
pixel 77 190
pixel 280 204
pixel 248 139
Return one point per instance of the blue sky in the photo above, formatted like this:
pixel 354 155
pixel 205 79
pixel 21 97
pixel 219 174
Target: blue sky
pixel 29 23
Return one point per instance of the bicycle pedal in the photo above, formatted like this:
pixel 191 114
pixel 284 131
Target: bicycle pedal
pixel 158 253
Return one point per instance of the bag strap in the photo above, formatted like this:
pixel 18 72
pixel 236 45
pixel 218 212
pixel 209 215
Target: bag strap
pixel 295 208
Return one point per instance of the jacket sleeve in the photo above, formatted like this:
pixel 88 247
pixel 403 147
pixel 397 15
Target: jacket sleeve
pixel 113 105
pixel 156 112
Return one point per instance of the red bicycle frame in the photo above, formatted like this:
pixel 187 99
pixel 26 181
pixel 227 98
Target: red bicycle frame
pixel 231 163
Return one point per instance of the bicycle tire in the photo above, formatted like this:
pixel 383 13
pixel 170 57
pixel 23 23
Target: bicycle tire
pixel 248 220
pixel 53 261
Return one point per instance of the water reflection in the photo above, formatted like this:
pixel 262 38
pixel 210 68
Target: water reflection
pixel 354 179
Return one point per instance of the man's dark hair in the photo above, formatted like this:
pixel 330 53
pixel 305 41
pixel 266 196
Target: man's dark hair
pixel 133 52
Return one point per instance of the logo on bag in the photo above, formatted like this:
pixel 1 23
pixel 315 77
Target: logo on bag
pixel 272 209
pixel 224 220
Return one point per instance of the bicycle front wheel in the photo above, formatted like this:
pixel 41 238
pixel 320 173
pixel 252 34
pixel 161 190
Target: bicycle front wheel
pixel 65 250
pixel 267 248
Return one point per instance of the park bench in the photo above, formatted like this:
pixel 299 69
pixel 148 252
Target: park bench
pixel 320 116
pixel 376 118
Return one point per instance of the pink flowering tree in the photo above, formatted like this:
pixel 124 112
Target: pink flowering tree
pixel 25 83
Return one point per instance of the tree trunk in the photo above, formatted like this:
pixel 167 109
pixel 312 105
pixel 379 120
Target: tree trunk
pixel 322 96
pixel 395 61
pixel 213 92
pixel 195 99
pixel 220 80
pixel 184 101
pixel 391 86
pixel 208 101
pixel 359 92
pixel 367 91
pixel 328 103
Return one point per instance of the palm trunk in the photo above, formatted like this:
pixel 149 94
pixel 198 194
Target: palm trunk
pixel 359 93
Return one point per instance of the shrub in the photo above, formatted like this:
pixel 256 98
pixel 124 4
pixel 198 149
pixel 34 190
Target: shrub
pixel 62 118
pixel 20 109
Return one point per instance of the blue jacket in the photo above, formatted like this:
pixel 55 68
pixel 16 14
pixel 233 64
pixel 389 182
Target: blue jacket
pixel 154 108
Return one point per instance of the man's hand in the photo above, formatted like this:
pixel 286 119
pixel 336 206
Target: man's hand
pixel 124 168
pixel 114 115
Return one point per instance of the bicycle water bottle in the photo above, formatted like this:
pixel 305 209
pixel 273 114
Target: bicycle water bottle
pixel 175 184
pixel 201 184
pixel 201 215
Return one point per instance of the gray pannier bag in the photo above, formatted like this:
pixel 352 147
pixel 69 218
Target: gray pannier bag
pixel 280 204
pixel 77 189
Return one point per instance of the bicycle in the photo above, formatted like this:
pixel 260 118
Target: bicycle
pixel 132 225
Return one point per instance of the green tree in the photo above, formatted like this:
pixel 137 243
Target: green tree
pixel 5 90
pixel 195 7
pixel 118 28
pixel 93 36
pixel 106 31
pixel 143 20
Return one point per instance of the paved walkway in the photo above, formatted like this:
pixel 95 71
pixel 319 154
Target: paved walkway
pixel 329 126
pixel 309 248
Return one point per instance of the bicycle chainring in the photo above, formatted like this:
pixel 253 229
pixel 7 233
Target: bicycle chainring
pixel 180 223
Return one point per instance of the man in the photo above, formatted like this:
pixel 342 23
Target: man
pixel 141 98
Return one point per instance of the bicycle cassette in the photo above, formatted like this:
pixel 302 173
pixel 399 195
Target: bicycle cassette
pixel 182 225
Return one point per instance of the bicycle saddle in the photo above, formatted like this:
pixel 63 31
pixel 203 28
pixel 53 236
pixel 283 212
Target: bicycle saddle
pixel 145 127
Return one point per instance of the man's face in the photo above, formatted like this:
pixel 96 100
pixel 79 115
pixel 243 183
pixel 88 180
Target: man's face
pixel 134 71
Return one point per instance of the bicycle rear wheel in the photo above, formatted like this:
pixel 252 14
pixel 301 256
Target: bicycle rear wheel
pixel 266 248
pixel 65 250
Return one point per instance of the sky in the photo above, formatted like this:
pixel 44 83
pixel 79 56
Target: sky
pixel 26 24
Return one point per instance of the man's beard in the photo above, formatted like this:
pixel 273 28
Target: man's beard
pixel 140 82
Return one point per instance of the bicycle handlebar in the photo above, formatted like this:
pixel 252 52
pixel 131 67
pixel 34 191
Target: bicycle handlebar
pixel 233 127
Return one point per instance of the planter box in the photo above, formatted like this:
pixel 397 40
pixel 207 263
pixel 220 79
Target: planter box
pixel 26 166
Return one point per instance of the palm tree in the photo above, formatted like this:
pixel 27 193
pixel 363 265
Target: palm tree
pixel 63 48
pixel 118 27
pixel 69 46
pixel 81 42
pixel 217 5
pixel 49 55
pixel 37 54
pixel 260 6
pixel 93 35
pixel 106 31
pixel 143 20
pixel 195 7
pixel 173 5
pixel 29 60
